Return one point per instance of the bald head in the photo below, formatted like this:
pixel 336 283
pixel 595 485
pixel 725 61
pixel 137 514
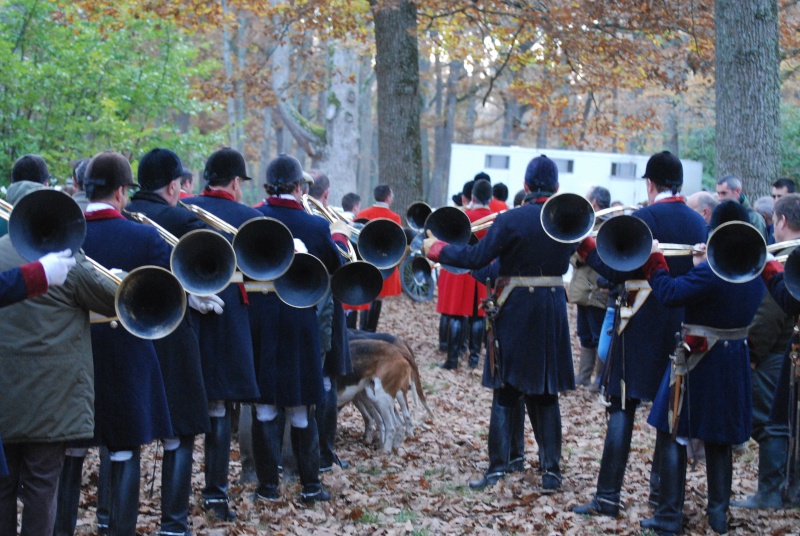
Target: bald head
pixel 703 203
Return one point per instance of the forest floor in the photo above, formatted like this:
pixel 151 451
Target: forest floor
pixel 421 489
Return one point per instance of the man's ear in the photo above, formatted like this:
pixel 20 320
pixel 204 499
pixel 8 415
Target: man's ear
pixel 556 190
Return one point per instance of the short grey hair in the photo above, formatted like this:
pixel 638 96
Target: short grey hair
pixel 764 206
pixel 733 182
pixel 600 195
pixel 707 200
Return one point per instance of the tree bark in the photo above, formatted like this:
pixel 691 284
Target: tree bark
pixel 367 179
pixel 341 120
pixel 748 92
pixel 397 69
pixel 437 195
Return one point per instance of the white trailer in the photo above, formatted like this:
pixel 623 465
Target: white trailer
pixel 577 170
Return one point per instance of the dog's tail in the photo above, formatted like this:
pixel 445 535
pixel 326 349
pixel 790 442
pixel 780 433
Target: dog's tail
pixel 416 380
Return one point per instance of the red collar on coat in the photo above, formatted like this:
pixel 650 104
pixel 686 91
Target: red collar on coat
pixel 281 202
pixel 221 194
pixel 671 199
pixel 103 214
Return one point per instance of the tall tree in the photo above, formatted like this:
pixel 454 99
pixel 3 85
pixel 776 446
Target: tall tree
pixel 748 92
pixel 397 69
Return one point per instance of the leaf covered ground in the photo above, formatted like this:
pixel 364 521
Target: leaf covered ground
pixel 421 489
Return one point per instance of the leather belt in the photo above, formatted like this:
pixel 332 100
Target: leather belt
pixel 510 283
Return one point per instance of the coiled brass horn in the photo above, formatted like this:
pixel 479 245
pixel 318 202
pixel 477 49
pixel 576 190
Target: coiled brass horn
pixel 567 217
pixel 736 252
pixel 624 243
pixel 44 221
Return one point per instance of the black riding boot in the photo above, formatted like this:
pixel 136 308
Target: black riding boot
pixel 351 319
pixel 476 334
pixel 499 440
pixel 612 465
pixel 124 497
pixel 455 337
pixel 267 437
pixel 719 472
pixel 69 496
pixel 444 329
pixel 771 472
pixel 217 459
pixel 655 479
pixel 327 415
pixel 176 488
pixel 103 491
pixel 668 517
pixel 516 456
pixel 374 316
pixel 548 418
pixel 305 444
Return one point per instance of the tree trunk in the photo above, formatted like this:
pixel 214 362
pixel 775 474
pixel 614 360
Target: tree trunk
pixel 367 179
pixel 437 195
pixel 397 68
pixel 341 120
pixel 748 92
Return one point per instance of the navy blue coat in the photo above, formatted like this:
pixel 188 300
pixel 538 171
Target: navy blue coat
pixel 286 340
pixel 130 401
pixel 178 352
pixel 225 344
pixel 718 403
pixel 532 327
pixel 641 353
pixel 790 306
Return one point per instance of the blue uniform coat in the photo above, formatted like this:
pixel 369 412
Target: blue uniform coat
pixel 532 327
pixel 179 352
pixel 641 353
pixel 225 345
pixel 130 401
pixel 287 346
pixel 717 406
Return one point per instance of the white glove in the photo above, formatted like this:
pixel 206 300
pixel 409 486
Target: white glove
pixel 206 304
pixel 57 265
pixel 299 246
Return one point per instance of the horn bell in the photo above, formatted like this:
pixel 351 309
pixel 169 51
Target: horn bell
pixel 305 283
pixel 382 242
pixel 791 273
pixel 567 217
pixel 264 248
pixel 150 302
pixel 736 252
pixel 450 225
pixel 624 243
pixel 203 261
pixel 417 214
pixel 356 283
pixel 46 221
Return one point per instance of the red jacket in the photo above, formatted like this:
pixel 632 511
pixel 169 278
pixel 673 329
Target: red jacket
pixel 391 285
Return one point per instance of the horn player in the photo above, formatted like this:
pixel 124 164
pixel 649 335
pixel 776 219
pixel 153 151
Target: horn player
pixel 226 346
pixel 288 349
pixel 641 343
pixel 47 372
pixel 535 358
pixel 460 294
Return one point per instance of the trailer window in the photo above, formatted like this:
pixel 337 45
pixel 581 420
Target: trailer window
pixel 496 161
pixel 564 165
pixel 623 170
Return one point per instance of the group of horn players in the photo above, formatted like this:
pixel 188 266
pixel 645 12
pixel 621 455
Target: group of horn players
pixel 174 375
pixel 680 323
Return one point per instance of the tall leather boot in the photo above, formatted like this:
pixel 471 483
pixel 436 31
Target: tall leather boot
pixel 516 456
pixel 124 497
pixel 267 436
pixel 719 472
pixel 586 366
pixel 327 416
pixel 351 319
pixel 69 495
pixel 444 330
pixel 455 337
pixel 477 333
pixel 374 316
pixel 612 466
pixel 655 467
pixel 305 444
pixel 668 517
pixel 217 459
pixel 771 473
pixel 245 434
pixel 548 417
pixel 103 491
pixel 176 488
pixel 499 444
